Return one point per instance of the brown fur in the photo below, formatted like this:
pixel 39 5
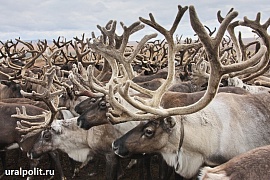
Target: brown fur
pixel 9 135
pixel 251 165
pixel 9 89
pixel 144 78
pixel 39 104
pixel 8 124
pixel 93 114
pixel 152 84
pixel 174 99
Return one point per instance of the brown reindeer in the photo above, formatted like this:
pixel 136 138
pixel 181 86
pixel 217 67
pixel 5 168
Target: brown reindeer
pixel 11 137
pixel 253 164
pixel 93 109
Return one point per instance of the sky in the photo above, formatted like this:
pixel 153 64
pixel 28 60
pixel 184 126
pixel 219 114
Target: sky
pixel 49 19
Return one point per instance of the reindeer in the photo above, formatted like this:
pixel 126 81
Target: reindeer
pixel 11 137
pixel 196 148
pixel 253 164
pixel 99 106
pixel 181 134
pixel 82 145
pixel 93 109
pixel 167 117
pixel 12 127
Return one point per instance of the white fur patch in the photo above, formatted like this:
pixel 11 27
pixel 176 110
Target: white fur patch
pixel 170 159
pixel 56 126
pixel 79 155
pixel 206 174
pixel 188 162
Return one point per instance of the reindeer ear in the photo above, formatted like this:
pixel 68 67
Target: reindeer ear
pixel 56 126
pixel 169 122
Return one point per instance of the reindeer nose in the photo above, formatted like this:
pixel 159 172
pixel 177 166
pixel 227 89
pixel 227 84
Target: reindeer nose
pixel 79 122
pixel 115 146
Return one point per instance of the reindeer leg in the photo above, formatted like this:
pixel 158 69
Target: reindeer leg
pixel 33 164
pixel 94 173
pixel 55 157
pixel 72 167
pixel 77 170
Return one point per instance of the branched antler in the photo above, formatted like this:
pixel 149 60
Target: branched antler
pixel 261 30
pixel 28 129
pixel 149 108
pixel 48 97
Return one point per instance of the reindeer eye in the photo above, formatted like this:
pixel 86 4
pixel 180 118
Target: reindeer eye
pixel 102 104
pixel 148 132
pixel 47 136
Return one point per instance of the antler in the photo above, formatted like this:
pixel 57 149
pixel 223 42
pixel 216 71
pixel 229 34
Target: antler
pixel 240 48
pixel 112 48
pixel 80 48
pixel 114 51
pixel 33 125
pixel 261 30
pixel 64 45
pixel 149 108
pixel 36 54
pixel 86 81
pixel 48 97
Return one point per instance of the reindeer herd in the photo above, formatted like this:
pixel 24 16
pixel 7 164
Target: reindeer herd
pixel 202 106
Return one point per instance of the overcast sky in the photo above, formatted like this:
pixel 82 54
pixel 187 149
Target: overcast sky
pixel 49 19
